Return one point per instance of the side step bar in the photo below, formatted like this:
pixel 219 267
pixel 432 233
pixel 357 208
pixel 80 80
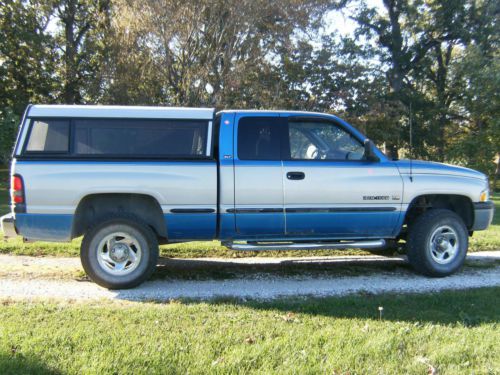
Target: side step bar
pixel 263 246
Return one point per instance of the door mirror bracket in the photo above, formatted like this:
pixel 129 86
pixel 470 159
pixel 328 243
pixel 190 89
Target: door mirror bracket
pixel 370 154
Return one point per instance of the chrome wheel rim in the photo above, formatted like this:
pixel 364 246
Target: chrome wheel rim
pixel 119 253
pixel 444 244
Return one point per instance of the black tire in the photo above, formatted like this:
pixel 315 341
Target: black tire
pixel 422 254
pixel 101 271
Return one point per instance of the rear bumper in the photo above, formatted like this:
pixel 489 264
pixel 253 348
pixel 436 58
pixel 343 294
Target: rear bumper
pixel 8 226
pixel 483 215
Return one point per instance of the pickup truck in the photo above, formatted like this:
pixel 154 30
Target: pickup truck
pixel 130 178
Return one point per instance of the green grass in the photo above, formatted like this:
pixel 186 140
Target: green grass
pixel 484 240
pixel 488 239
pixel 454 332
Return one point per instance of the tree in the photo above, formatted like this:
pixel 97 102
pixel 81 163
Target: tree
pixel 80 39
pixel 26 65
pixel 26 55
pixel 8 128
pixel 477 137
pixel 203 52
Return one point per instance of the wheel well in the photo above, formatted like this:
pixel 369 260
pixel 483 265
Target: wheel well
pixel 459 204
pixel 94 206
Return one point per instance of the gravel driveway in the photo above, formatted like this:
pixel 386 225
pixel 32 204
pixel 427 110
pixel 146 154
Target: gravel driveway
pixel 261 278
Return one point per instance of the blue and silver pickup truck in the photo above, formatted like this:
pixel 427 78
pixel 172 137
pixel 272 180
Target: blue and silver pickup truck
pixel 130 178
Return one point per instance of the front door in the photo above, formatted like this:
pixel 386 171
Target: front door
pixel 258 176
pixel 331 190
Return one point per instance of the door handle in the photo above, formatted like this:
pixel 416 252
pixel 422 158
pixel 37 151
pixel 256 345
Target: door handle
pixel 295 175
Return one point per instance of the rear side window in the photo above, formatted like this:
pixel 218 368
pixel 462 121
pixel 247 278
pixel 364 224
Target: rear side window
pixel 49 136
pixel 259 138
pixel 116 137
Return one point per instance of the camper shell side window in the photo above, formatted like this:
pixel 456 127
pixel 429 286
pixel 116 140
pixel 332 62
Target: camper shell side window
pixel 118 138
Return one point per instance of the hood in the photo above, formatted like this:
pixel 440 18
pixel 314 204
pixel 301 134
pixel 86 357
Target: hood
pixel 430 167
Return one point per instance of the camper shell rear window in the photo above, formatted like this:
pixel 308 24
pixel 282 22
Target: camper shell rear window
pixel 118 138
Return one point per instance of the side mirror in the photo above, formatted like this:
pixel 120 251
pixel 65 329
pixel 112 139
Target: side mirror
pixel 370 151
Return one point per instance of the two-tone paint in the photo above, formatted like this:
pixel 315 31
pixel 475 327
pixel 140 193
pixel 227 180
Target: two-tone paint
pixel 230 199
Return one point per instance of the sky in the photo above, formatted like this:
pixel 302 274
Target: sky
pixel 339 21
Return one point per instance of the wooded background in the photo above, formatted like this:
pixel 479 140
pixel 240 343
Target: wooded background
pixel 441 58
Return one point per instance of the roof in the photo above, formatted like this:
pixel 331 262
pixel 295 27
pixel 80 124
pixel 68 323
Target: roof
pixel 274 111
pixel 116 111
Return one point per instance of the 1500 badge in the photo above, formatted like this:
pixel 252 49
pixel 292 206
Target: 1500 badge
pixel 375 197
pixel 380 197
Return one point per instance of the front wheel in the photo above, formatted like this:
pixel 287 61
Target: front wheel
pixel 437 243
pixel 119 252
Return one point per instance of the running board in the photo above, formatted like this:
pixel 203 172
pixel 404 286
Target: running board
pixel 263 246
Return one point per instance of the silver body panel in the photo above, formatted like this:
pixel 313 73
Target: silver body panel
pixel 342 184
pixel 58 187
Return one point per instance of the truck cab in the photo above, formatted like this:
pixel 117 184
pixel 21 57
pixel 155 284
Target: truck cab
pixel 130 178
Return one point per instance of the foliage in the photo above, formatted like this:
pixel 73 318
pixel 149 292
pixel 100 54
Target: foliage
pixel 81 47
pixel 8 130
pixel 201 52
pixel 477 140
pixel 26 56
pixel 436 59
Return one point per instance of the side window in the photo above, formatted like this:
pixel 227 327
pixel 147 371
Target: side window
pixel 166 138
pixel 259 138
pixel 49 136
pixel 311 140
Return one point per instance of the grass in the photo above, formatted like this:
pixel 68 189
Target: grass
pixel 484 240
pixel 452 332
pixel 488 239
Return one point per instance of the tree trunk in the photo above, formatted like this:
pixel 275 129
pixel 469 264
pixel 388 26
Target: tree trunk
pixel 71 93
pixel 396 73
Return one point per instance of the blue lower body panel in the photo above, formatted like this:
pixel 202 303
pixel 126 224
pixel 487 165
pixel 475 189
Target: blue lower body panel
pixel 310 226
pixel 365 224
pixel 200 226
pixel 45 227
pixel 258 224
pixel 203 226
pixel 227 226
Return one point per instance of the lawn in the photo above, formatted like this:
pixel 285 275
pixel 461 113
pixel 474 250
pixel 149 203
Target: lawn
pixel 451 332
pixel 484 240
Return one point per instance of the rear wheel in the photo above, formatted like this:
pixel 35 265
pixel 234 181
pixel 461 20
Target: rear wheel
pixel 437 243
pixel 119 252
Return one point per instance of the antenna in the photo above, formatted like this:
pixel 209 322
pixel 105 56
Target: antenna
pixel 411 146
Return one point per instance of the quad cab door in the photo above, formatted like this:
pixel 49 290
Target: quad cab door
pixel 330 189
pixel 258 174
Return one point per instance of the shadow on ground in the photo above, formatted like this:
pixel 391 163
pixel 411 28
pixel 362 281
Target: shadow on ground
pixel 207 269
pixel 17 363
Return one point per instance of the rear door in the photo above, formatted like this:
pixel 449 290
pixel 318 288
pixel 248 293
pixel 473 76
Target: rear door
pixel 258 170
pixel 330 190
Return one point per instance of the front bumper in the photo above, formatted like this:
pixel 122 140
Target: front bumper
pixel 8 226
pixel 483 215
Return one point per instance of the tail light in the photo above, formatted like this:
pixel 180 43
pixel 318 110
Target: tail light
pixel 17 190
